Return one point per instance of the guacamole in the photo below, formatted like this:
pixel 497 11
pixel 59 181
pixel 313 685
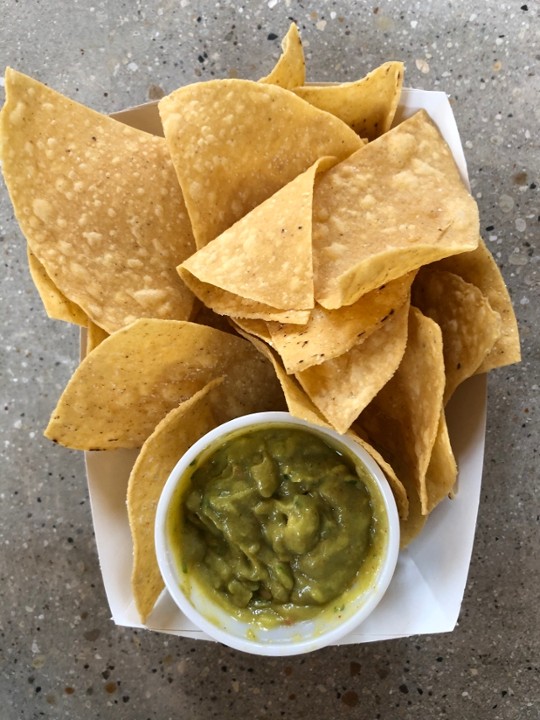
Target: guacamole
pixel 275 522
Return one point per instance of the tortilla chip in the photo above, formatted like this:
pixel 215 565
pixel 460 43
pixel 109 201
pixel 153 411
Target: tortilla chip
pixel 331 333
pixel 258 328
pixel 234 143
pixel 57 306
pixel 225 303
pixel 178 430
pixel 442 471
pixel 396 204
pixel 469 326
pixel 397 487
pixel 342 387
pixel 402 421
pixel 132 379
pixel 264 258
pixel 98 203
pixel 479 268
pixel 94 336
pixel 290 70
pixel 368 106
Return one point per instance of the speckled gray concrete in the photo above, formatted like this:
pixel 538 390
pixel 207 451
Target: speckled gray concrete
pixel 60 655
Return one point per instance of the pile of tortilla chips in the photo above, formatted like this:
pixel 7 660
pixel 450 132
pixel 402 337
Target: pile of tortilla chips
pixel 282 246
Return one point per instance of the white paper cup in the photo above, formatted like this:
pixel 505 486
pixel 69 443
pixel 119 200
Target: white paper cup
pixel 304 636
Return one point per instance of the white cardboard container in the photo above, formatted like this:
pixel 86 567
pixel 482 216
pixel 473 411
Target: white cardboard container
pixel 426 592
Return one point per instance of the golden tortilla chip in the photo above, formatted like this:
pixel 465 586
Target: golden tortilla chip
pixel 234 143
pixel 331 333
pixel 94 336
pixel 479 268
pixel 342 387
pixel 442 471
pixel 258 328
pixel 368 106
pixel 402 421
pixel 265 258
pixel 397 487
pixel 396 204
pixel 469 326
pixel 98 203
pixel 132 379
pixel 290 70
pixel 178 430
pixel 57 306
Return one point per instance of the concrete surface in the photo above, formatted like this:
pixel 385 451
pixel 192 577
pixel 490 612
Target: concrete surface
pixel 60 655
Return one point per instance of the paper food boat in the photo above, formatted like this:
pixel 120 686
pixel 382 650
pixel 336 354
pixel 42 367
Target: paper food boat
pixel 427 589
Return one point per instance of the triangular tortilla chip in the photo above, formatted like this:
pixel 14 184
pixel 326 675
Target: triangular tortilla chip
pixel 331 333
pixel 396 204
pixel 402 421
pixel 132 379
pixel 98 203
pixel 441 474
pixel 343 386
pixel 368 105
pixel 469 325
pixel 178 430
pixel 266 256
pixel 398 489
pixel 479 268
pixel 290 70
pixel 234 143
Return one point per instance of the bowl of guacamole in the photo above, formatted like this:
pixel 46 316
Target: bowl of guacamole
pixel 276 536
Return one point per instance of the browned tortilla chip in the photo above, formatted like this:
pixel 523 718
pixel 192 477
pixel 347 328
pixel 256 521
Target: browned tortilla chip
pixel 367 106
pixel 479 268
pixel 99 205
pixel 234 143
pixel 57 306
pixel 330 333
pixel 402 421
pixel 342 387
pixel 396 204
pixel 178 430
pixel 265 258
pixel 469 326
pixel 132 379
pixel 290 69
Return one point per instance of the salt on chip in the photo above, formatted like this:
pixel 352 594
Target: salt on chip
pixel 290 70
pixel 469 325
pixel 173 435
pixel 265 258
pixel 396 204
pixel 479 268
pixel 98 203
pixel 234 143
pixel 342 387
pixel 132 379
pixel 56 304
pixel 330 333
pixel 402 421
pixel 367 105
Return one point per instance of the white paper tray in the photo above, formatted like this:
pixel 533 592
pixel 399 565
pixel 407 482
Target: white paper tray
pixel 426 592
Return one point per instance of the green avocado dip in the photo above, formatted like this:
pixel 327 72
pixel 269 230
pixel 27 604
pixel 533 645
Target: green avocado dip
pixel 276 523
